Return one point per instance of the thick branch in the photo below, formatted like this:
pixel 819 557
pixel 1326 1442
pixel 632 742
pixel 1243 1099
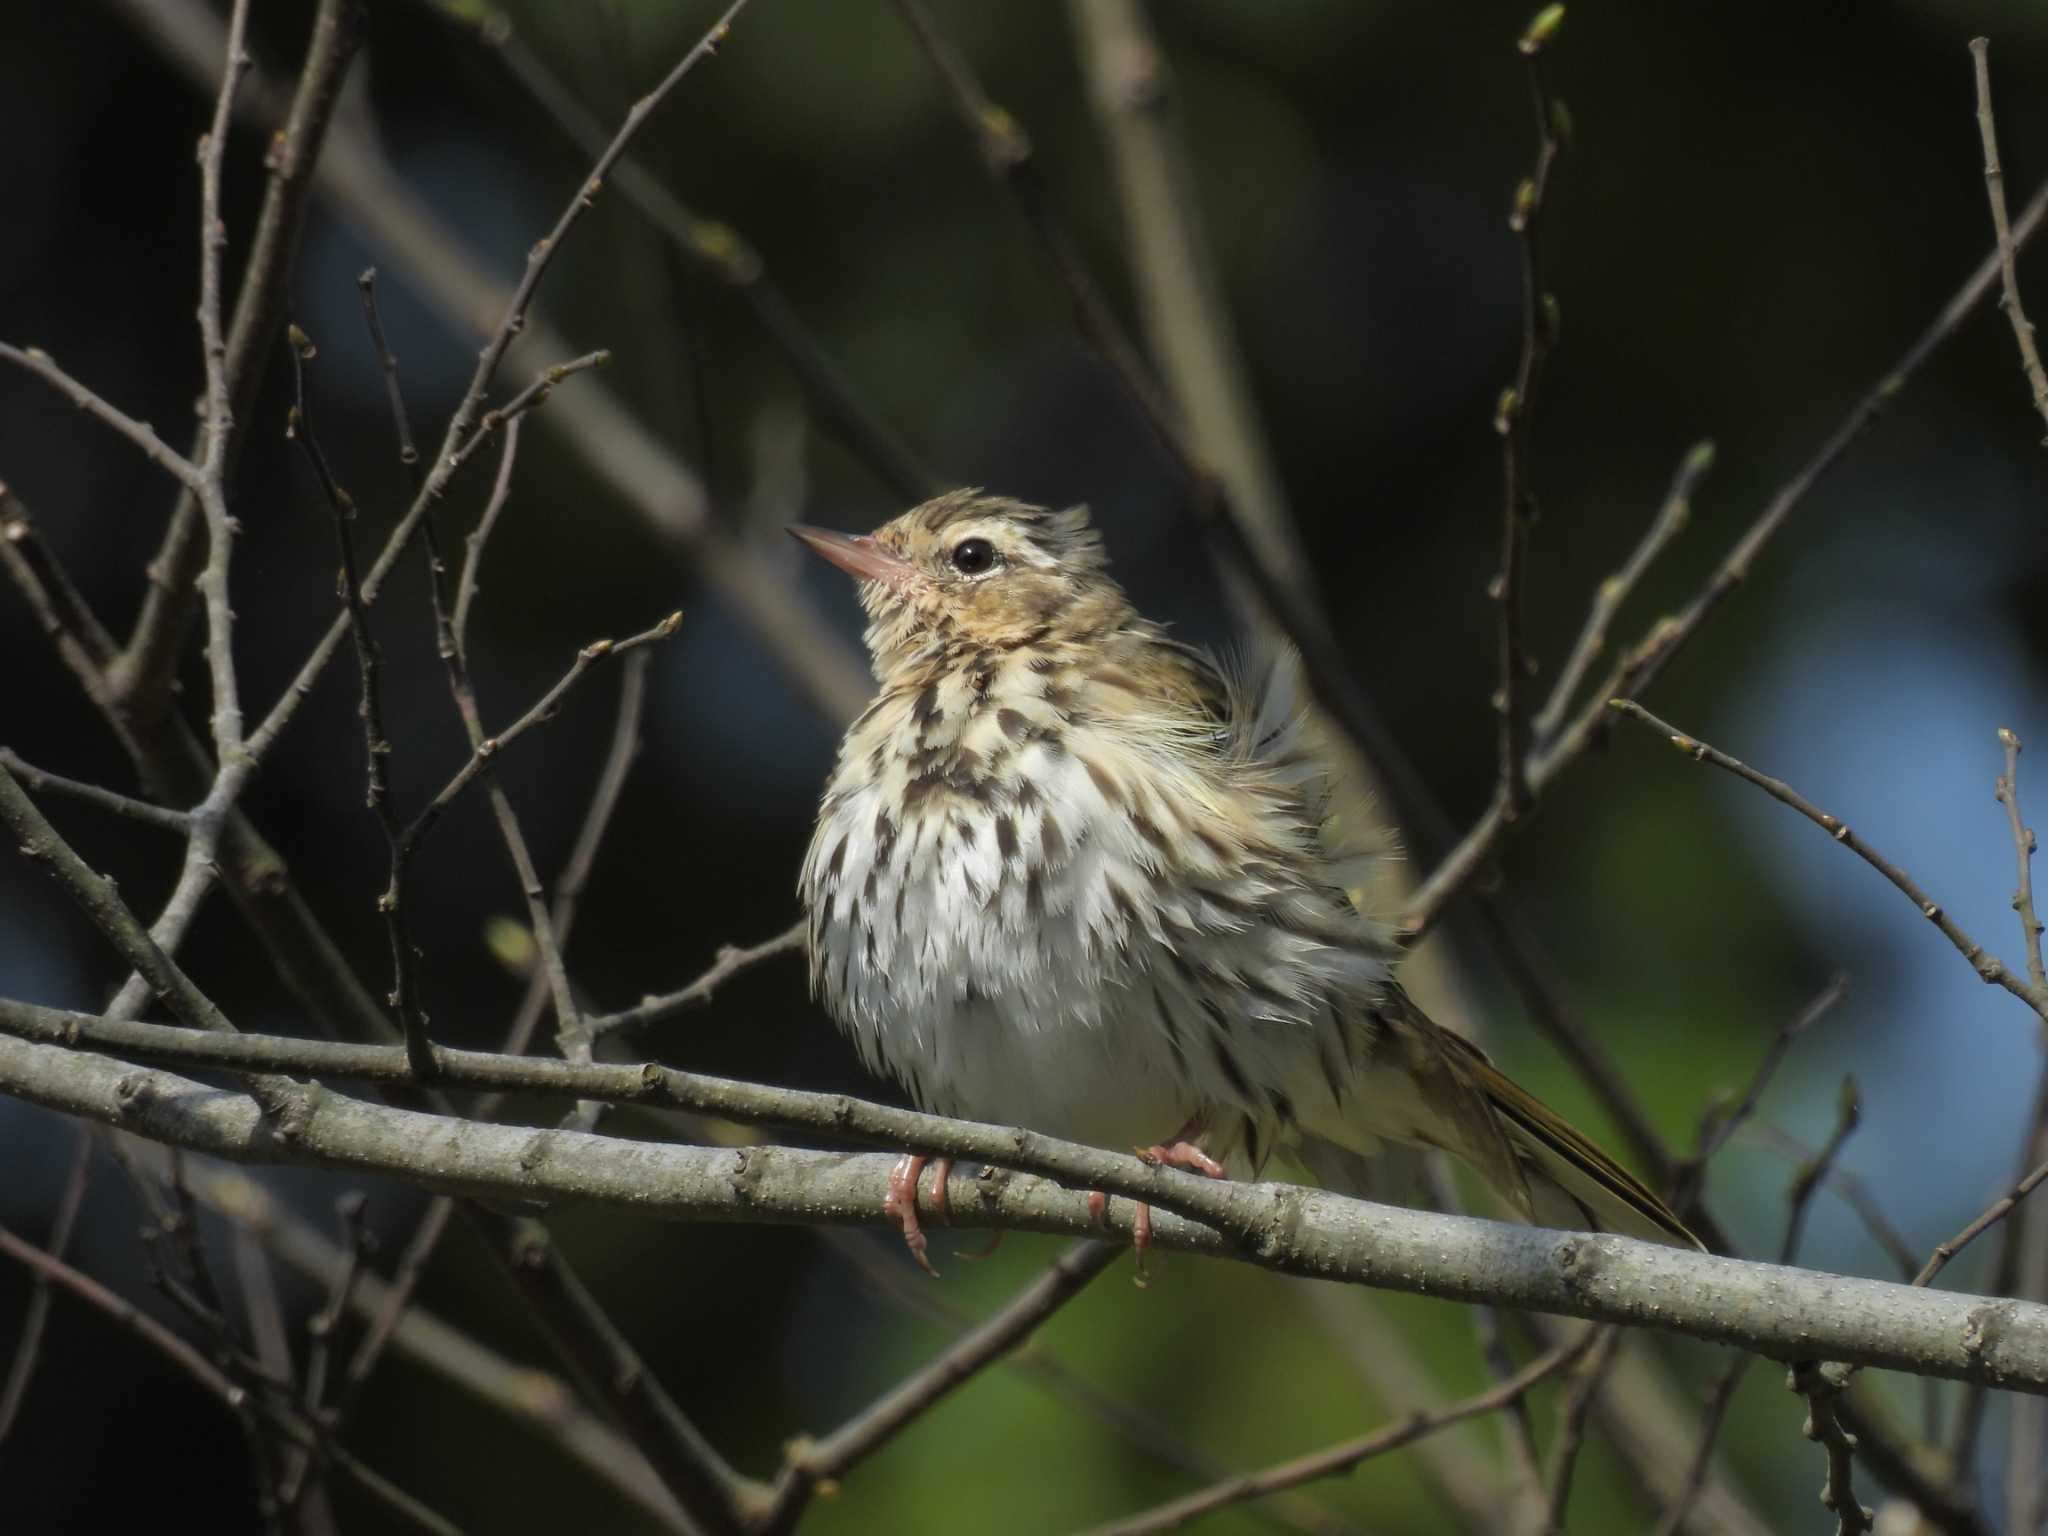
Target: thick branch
pixel 1785 1313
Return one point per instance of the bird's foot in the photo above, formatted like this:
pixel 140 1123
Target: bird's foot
pixel 1178 1153
pixel 900 1205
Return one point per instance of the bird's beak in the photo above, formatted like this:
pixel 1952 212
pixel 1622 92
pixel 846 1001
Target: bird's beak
pixel 856 554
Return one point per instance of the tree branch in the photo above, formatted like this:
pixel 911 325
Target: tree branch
pixel 1775 1311
pixel 139 678
pixel 1641 666
pixel 1994 190
pixel 1988 967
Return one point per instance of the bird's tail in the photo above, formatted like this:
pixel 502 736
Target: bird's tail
pixel 1430 1086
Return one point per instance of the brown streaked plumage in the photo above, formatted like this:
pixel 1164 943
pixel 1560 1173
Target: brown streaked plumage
pixel 1068 874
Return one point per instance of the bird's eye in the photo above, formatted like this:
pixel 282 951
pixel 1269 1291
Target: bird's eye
pixel 973 556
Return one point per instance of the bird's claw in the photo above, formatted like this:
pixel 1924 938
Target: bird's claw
pixel 900 1204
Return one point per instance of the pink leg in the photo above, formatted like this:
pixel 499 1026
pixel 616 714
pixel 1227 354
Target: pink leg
pixel 1180 1152
pixel 900 1205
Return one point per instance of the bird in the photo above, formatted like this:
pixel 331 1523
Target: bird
pixel 1072 874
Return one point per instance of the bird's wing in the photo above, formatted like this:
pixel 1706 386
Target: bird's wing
pixel 1571 1180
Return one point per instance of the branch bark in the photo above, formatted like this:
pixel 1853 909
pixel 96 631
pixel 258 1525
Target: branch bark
pixel 1785 1313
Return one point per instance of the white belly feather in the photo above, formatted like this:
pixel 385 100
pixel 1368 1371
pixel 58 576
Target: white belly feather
pixel 1049 944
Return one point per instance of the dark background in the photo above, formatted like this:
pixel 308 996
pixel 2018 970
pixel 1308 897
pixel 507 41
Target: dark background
pixel 1764 203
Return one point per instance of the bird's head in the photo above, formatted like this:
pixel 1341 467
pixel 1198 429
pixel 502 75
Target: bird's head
pixel 982 570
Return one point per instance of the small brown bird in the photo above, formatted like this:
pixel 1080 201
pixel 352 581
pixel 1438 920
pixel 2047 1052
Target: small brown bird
pixel 1068 874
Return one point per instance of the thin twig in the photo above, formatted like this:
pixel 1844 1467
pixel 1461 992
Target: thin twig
pixel 617 446
pixel 1812 1174
pixel 1848 1186
pixel 486 747
pixel 2023 842
pixel 811 1463
pixel 1512 420
pixel 219 425
pixel 210 1377
pixel 1145 1434
pixel 139 678
pixel 531 398
pixel 1342 1458
pixel 1587 1379
pixel 1173 272
pixel 1718 1128
pixel 1988 967
pixel 612 1373
pixel 321 1326
pixel 543 1403
pixel 1994 190
pixel 373 321
pixel 38 842
pixel 44 782
pixel 29 1343
pixel 1642 664
pixel 54 1271
pixel 392 905
pixel 473 551
pixel 718 249
pixel 140 433
pixel 1005 152
pixel 1823 1427
pixel 1989 1217
pixel 731 960
pixel 1608 598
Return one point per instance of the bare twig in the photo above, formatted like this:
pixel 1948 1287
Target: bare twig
pixel 1672 516
pixel 2008 792
pixel 532 397
pixel 532 1397
pixel 1149 1437
pixel 38 842
pixel 1988 967
pixel 1587 1379
pixel 392 906
pixel 1718 1128
pixel 473 552
pixel 1640 666
pixel 29 1342
pixel 718 249
pixel 139 678
pixel 1989 1217
pixel 140 433
pixel 620 450
pixel 1513 419
pixel 732 959
pixel 1811 1176
pixel 1295 611
pixel 810 1463
pixel 1994 189
pixel 218 427
pixel 1342 1458
pixel 373 321
pixel 1848 1186
pixel 1824 1427
pixel 107 800
pixel 54 1271
pixel 613 1374
pixel 210 1377
pixel 321 1326
pixel 1173 270
pixel 486 747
